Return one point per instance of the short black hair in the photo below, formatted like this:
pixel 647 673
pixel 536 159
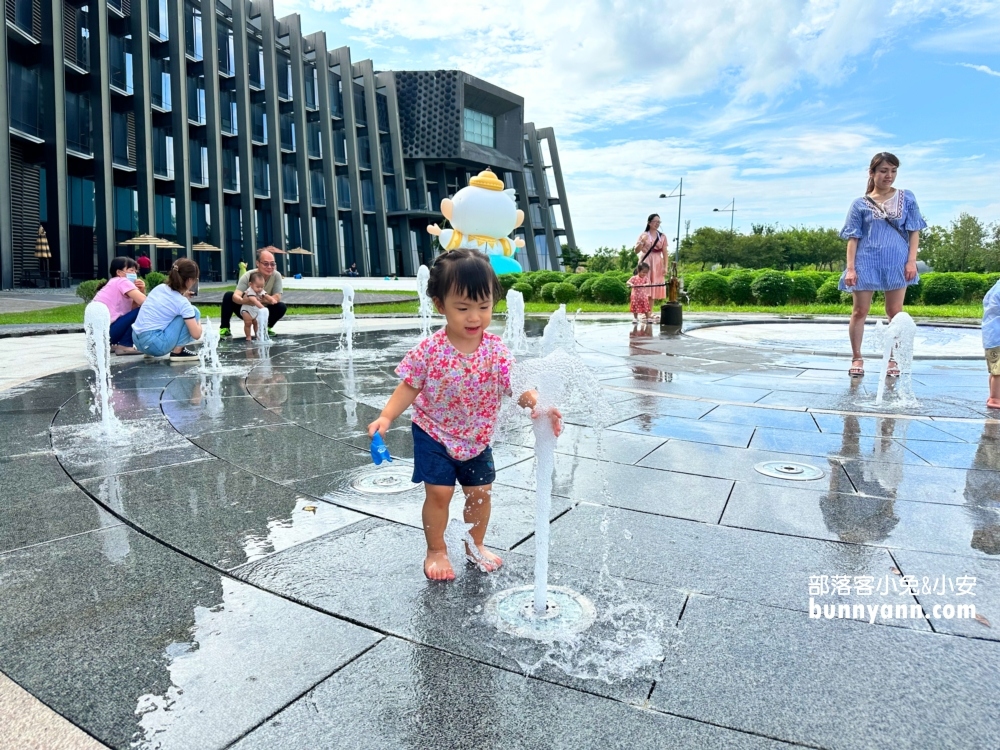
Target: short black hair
pixel 121 263
pixel 642 267
pixel 254 276
pixel 466 273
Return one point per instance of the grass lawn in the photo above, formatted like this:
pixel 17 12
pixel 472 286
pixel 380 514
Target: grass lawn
pixel 74 313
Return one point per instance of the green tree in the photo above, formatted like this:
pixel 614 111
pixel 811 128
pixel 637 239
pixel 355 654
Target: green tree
pixel 571 257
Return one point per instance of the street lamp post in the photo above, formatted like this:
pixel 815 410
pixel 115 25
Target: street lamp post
pixel 671 312
pixel 731 208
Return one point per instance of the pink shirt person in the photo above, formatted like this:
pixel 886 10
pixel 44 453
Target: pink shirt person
pixel 460 394
pixel 114 296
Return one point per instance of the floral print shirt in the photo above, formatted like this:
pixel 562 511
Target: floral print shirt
pixel 459 400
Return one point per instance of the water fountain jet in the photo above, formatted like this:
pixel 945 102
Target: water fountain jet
pixel 426 306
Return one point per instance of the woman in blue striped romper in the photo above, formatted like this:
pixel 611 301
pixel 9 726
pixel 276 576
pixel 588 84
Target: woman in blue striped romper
pixel 883 233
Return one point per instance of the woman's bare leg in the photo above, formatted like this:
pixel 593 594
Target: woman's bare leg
pixel 856 329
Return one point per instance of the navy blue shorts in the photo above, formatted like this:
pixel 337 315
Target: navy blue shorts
pixel 433 465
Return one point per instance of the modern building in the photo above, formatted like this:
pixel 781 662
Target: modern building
pixel 227 127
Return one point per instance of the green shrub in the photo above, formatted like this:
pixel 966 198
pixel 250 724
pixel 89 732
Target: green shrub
pixel 803 290
pixel 991 280
pixel 727 272
pixel 709 289
pixel 818 277
pixel 829 293
pixel 772 288
pixel 154 278
pixel 587 289
pixel 507 280
pixel 565 292
pixel 914 292
pixel 88 289
pixel 527 290
pixel 610 289
pixel 541 278
pixel 577 279
pixel 547 289
pixel 941 289
pixel 973 286
pixel 740 292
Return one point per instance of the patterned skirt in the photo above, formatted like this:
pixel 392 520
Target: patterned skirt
pixel 640 302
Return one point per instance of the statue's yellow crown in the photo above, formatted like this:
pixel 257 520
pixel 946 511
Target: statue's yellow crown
pixel 486 179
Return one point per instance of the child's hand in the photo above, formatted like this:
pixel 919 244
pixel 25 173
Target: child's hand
pixel 380 425
pixel 554 415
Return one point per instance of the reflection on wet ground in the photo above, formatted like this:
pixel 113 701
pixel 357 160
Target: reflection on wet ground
pixel 219 579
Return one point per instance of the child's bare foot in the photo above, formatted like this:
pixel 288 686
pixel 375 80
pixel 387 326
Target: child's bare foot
pixel 482 557
pixel 437 566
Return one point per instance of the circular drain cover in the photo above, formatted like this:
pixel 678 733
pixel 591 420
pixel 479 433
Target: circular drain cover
pixel 384 482
pixel 789 470
pixel 566 613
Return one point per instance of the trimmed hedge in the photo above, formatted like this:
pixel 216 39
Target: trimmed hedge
pixel 507 280
pixel 565 292
pixel 154 279
pixel 803 290
pixel 772 288
pixel 548 289
pixel 587 289
pixel 740 292
pixel 941 288
pixel 577 279
pixel 829 293
pixel 541 278
pixel 610 289
pixel 527 290
pixel 974 286
pixel 89 289
pixel 709 288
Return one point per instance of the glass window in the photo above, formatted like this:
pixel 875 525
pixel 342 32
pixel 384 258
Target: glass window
pixel 261 178
pixel 284 77
pixel 78 122
pixel 120 60
pixel 258 123
pixel 288 131
pixel 193 39
pixel 227 112
pixel 480 128
pixel 255 62
pixel 166 215
pixel 227 50
pixel 24 91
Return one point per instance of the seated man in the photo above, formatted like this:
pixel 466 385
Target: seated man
pixel 232 301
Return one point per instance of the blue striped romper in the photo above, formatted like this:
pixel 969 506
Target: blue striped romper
pixel 882 247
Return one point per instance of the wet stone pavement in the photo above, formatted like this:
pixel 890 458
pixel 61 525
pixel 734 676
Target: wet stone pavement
pixel 220 582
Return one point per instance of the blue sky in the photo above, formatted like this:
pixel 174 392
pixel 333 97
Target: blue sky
pixel 778 103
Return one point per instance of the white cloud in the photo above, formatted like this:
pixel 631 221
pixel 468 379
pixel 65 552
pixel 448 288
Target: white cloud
pixel 982 69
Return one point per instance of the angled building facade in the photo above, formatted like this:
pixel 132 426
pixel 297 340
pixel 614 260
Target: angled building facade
pixel 217 123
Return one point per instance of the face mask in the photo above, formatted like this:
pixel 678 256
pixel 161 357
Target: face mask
pixel 131 276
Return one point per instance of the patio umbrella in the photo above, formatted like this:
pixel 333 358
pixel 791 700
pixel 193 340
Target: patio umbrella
pixel 204 247
pixel 147 240
pixel 42 251
pixel 302 251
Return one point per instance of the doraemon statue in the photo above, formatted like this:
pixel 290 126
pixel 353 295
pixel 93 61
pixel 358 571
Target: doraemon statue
pixel 483 216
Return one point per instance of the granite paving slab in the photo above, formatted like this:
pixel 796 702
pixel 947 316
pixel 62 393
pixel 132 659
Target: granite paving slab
pixel 335 573
pixel 39 503
pixel 928 484
pixel 85 452
pixel 726 462
pixel 191 388
pixel 774 382
pixel 24 432
pixel 972 431
pixel 637 488
pixel 751 416
pixel 282 453
pixel 944 578
pixel 985 455
pixel 144 648
pixel 703 558
pixel 847 445
pixel 716 433
pixel 855 519
pixel 917 429
pixel 217 513
pixel 831 684
pixel 698 390
pixel 215 414
pixel 401 695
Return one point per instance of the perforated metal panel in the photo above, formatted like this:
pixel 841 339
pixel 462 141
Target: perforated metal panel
pixel 429 113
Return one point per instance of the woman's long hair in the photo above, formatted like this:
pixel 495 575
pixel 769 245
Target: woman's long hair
pixel 181 272
pixel 877 161
pixel 650 220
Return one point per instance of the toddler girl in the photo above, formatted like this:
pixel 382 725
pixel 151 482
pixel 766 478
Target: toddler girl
pixel 252 305
pixel 639 284
pixel 167 320
pixel 991 343
pixel 122 295
pixel 455 379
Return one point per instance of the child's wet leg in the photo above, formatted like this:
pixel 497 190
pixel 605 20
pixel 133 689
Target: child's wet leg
pixel 478 506
pixel 437 567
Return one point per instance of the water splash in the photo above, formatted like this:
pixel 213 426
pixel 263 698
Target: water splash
pixel 97 327
pixel 898 346
pixel 262 320
pixel 347 316
pixel 457 538
pixel 208 354
pixel 513 332
pixel 558 333
pixel 426 308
